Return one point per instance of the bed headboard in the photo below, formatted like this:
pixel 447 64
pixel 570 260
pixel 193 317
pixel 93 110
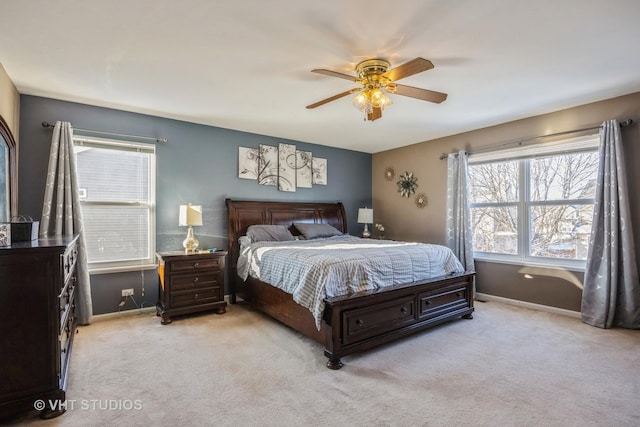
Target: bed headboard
pixel 243 213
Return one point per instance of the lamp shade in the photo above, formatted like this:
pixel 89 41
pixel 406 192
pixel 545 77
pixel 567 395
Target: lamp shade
pixel 365 216
pixel 190 215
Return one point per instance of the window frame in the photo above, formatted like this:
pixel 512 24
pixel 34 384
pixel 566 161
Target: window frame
pixel 524 205
pixel 121 145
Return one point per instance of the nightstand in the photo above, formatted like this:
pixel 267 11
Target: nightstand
pixel 190 283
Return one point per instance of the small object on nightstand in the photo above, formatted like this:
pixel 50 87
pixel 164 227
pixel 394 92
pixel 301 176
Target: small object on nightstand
pixel 190 283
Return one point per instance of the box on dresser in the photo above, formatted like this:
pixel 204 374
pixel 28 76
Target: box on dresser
pixel 37 324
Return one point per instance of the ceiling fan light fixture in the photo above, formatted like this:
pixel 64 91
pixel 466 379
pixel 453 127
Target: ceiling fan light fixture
pixel 368 99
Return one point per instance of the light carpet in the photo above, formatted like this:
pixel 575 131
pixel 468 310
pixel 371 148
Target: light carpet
pixel 509 366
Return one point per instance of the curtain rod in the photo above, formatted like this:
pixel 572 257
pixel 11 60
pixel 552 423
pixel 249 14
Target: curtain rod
pixel 49 125
pixel 623 123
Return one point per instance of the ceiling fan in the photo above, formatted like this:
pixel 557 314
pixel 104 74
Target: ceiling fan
pixel 377 80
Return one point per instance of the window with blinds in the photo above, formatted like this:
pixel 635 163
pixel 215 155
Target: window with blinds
pixel 117 195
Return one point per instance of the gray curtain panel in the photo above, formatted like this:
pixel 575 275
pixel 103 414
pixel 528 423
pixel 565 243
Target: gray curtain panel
pixel 459 236
pixel 611 294
pixel 61 213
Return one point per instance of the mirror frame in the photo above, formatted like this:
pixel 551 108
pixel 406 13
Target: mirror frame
pixel 12 173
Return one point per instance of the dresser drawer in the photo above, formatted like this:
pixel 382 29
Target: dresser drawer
pixel 195 264
pixel 69 261
pixel 66 302
pixel 196 297
pixel 362 323
pixel 193 281
pixel 66 334
pixel 439 302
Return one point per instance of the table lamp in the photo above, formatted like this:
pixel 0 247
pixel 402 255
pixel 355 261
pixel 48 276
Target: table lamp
pixel 365 216
pixel 190 215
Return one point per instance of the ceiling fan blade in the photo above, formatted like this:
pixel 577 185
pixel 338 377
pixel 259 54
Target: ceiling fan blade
pixel 375 114
pixel 334 97
pixel 423 94
pixel 334 74
pixel 407 69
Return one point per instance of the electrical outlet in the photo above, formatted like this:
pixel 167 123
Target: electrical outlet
pixel 127 292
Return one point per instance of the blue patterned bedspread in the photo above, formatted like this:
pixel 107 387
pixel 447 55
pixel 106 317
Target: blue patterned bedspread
pixel 312 270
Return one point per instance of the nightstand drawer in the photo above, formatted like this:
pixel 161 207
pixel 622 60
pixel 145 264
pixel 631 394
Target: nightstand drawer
pixel 193 281
pixel 195 264
pixel 200 296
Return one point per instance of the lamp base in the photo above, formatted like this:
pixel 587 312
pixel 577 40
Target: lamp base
pixel 365 232
pixel 190 243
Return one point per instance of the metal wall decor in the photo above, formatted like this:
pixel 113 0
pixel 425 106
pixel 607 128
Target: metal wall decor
pixel 407 184
pixel 421 200
pixel 389 174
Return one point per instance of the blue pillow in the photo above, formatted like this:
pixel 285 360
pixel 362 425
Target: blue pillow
pixel 314 231
pixel 269 233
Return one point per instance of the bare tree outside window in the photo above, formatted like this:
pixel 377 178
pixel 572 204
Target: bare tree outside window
pixel 541 207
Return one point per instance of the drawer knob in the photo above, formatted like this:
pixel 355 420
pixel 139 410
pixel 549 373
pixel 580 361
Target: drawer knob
pixel 359 322
pixel 404 310
pixel 196 264
pixel 196 279
pixel 459 294
pixel 427 302
pixel 196 296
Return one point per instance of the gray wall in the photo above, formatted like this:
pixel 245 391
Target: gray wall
pixel 198 165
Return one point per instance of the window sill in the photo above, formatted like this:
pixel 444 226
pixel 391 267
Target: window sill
pixel 575 268
pixel 123 269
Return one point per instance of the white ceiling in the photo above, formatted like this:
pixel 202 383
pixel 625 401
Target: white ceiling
pixel 246 65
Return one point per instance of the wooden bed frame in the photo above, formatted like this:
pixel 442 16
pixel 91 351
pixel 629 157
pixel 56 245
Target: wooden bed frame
pixel 354 322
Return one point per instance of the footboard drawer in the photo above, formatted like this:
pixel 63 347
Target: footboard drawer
pixel 437 302
pixel 362 323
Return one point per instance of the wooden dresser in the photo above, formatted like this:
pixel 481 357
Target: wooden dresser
pixel 37 323
pixel 190 283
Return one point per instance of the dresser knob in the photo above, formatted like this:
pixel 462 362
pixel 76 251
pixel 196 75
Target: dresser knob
pixel 196 279
pixel 404 310
pixel 459 294
pixel 359 322
pixel 427 303
pixel 196 264
pixel 196 296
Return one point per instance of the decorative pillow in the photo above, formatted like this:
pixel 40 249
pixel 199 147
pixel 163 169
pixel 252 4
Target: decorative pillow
pixel 269 233
pixel 314 231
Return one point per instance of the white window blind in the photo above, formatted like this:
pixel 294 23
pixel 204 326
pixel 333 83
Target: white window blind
pixel 117 192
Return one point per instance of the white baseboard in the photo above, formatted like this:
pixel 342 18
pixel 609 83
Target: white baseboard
pixel 121 314
pixel 556 310
pixel 134 312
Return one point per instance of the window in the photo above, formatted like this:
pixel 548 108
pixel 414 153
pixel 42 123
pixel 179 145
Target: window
pixel 534 204
pixel 117 195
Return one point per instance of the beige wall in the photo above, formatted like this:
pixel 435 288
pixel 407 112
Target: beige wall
pixel 9 103
pixel 404 221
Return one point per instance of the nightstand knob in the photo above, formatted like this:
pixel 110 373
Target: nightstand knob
pixel 404 310
pixel 459 294
pixel 196 264
pixel 359 322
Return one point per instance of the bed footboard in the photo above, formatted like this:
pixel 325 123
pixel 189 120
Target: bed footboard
pixel 360 322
